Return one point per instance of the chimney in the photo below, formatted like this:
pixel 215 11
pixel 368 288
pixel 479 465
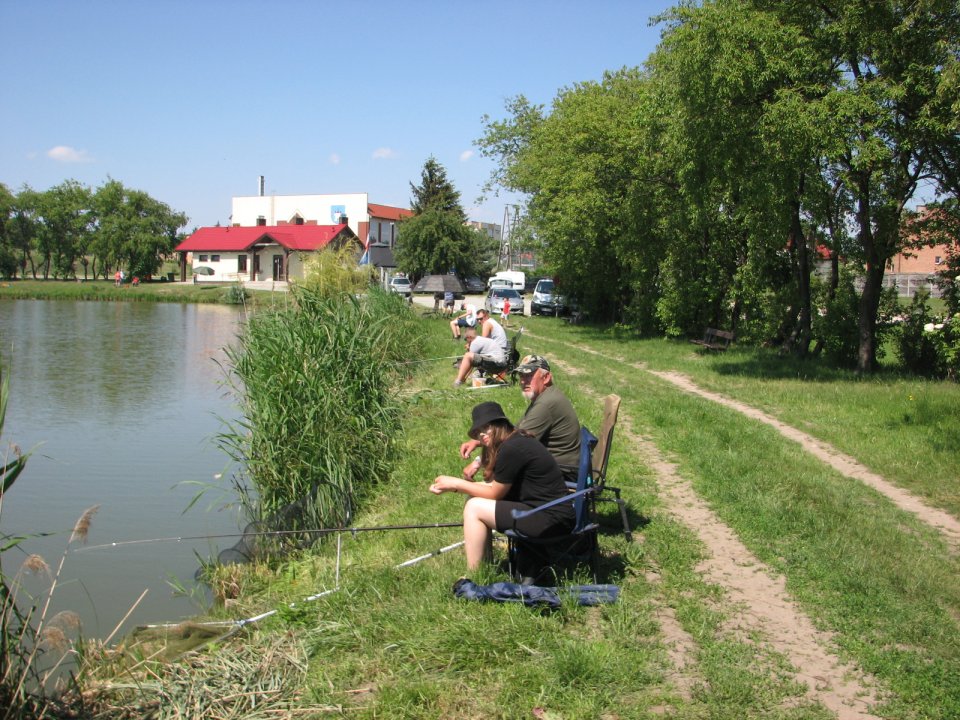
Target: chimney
pixel 261 186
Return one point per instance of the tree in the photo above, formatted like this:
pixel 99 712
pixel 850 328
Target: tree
pixel 435 191
pixel 133 230
pixel 64 228
pixel 889 114
pixel 436 242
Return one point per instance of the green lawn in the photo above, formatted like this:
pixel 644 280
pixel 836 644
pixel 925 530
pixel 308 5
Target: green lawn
pixel 395 643
pixel 145 292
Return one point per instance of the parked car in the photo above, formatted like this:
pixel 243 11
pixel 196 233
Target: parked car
pixel 473 284
pixel 401 285
pixel 545 301
pixel 496 296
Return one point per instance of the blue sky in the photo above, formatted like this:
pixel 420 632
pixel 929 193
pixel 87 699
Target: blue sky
pixel 192 100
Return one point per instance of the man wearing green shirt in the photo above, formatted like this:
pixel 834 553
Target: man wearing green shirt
pixel 550 418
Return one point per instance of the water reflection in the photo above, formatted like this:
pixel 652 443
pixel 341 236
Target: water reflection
pixel 122 402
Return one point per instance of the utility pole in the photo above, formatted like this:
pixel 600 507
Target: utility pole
pixel 505 258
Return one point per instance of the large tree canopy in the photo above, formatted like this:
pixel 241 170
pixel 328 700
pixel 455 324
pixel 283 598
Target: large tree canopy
pixel 52 232
pixel 694 192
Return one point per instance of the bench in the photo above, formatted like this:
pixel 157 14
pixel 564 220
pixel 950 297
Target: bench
pixel 715 339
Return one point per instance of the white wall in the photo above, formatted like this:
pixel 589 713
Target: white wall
pixel 282 208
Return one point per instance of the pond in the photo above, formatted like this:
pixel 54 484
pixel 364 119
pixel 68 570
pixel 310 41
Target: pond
pixel 120 404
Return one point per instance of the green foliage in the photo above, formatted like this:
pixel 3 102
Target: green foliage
pixel 70 231
pixel 436 242
pixel 436 192
pixel 133 231
pixel 317 389
pixel 835 326
pixel 335 270
pixel 236 294
pixel 929 345
pixel 701 186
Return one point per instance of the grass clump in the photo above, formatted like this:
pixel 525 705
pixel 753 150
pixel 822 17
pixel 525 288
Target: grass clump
pixel 317 384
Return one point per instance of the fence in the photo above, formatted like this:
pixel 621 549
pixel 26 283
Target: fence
pixel 907 284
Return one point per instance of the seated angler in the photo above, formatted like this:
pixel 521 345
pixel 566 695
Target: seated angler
pixel 480 350
pixel 549 417
pixel 519 475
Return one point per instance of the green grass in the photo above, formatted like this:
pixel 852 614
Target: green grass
pixel 396 643
pixel 145 292
pixel 899 426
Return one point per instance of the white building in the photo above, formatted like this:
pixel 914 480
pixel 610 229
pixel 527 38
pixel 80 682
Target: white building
pixel 371 222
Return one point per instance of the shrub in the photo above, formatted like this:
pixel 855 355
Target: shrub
pixel 320 415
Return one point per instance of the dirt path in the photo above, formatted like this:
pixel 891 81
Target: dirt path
pixel 946 524
pixel 764 607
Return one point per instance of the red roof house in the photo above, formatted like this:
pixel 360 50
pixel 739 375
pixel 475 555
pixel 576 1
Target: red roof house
pixel 238 253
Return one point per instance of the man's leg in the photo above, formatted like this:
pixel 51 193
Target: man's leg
pixel 465 366
pixel 455 329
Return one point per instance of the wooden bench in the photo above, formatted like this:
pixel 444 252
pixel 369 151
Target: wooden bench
pixel 715 339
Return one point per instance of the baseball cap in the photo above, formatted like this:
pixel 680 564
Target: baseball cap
pixel 532 363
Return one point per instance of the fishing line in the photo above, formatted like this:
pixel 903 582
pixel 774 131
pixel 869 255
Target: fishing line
pixel 235 625
pixel 313 531
pixel 412 362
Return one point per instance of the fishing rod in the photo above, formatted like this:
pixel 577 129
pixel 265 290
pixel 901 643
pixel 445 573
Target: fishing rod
pixel 265 533
pixel 413 362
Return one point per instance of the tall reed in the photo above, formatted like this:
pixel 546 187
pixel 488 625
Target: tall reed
pixel 33 645
pixel 317 383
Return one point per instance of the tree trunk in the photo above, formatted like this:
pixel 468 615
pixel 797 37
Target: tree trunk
pixel 869 303
pixel 873 280
pixel 800 338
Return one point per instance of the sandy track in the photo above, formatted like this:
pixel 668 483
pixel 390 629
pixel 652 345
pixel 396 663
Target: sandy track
pixel 948 525
pixel 762 604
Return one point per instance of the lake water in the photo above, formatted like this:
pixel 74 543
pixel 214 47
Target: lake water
pixel 120 403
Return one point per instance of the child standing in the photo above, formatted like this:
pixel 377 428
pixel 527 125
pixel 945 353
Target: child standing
pixel 505 311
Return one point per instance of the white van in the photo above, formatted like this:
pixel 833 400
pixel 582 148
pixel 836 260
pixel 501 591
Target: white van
pixel 509 279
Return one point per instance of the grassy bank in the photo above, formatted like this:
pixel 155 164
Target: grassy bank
pixel 395 643
pixel 145 292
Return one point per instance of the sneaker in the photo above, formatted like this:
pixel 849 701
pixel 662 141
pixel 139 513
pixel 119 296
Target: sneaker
pixel 457 383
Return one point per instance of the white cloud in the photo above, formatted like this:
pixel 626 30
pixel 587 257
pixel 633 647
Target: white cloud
pixel 466 155
pixel 334 159
pixel 384 153
pixel 67 154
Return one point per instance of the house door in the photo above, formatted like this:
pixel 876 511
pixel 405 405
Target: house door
pixel 277 268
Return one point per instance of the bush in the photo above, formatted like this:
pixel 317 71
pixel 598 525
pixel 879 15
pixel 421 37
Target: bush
pixel 929 345
pixel 317 387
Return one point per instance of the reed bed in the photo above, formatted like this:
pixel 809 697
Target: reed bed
pixel 317 385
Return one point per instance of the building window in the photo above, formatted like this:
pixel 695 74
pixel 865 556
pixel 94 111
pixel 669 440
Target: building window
pixel 938 260
pixel 261 220
pixel 214 258
pixel 203 258
pixel 297 220
pixel 241 263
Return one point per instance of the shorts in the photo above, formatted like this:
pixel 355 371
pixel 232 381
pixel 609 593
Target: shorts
pixel 543 524
pixel 448 303
pixel 463 322
pixel 491 361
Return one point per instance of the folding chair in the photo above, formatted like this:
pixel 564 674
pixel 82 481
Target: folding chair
pixel 601 456
pixel 532 558
pixel 503 372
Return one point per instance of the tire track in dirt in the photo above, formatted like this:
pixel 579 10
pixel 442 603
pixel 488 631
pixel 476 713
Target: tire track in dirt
pixel 760 595
pixel 762 603
pixel 947 525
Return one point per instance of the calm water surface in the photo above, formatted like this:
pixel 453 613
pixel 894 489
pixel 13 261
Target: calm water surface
pixel 120 403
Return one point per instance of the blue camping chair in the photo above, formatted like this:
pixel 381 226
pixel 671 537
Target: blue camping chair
pixel 532 559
